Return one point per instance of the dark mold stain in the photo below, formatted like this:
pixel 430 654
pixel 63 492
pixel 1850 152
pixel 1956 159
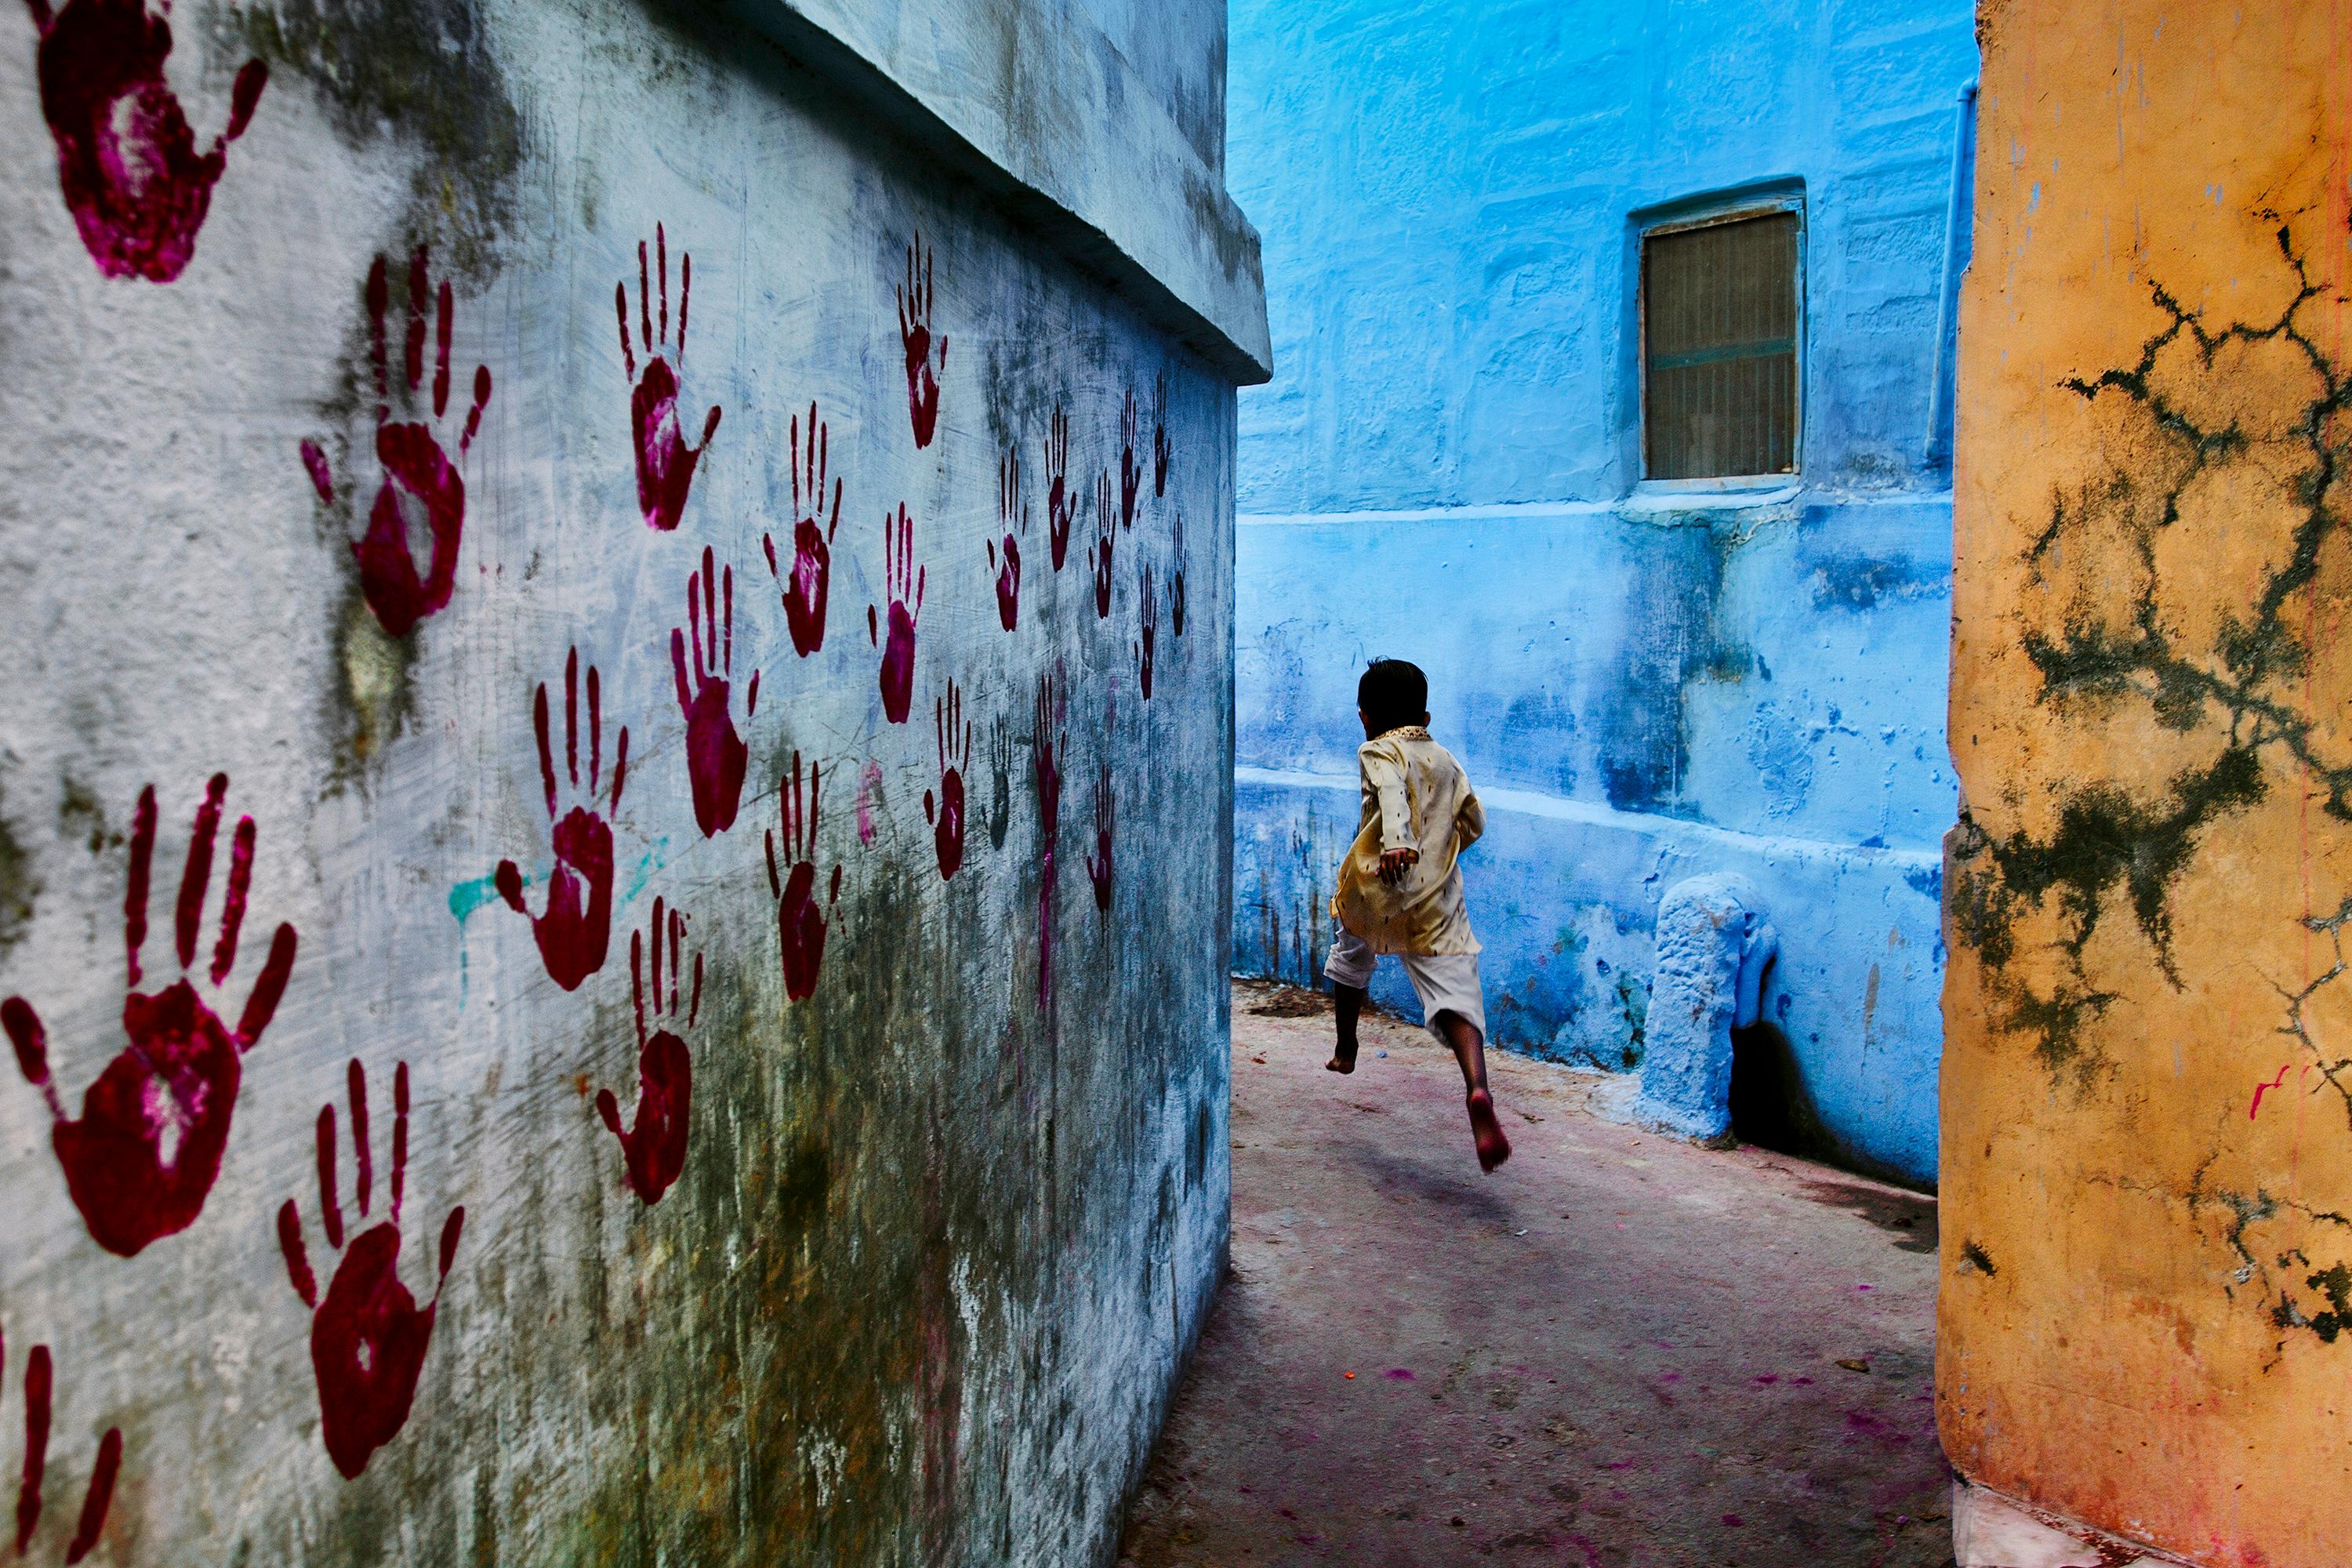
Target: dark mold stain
pixel 2109 841
pixel 19 885
pixel 421 71
pixel 1673 640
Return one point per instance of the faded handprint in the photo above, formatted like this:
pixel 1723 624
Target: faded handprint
pixel 955 759
pixel 894 632
pixel 915 337
pixel 1015 520
pixel 143 1156
pixel 652 1146
pixel 1150 598
pixel 664 462
pixel 715 754
pixel 1098 864
pixel 1106 533
pixel 40 1377
pixel 1130 475
pixel 573 933
pixel 800 923
pixel 1001 744
pixel 1161 451
pixel 1176 580
pixel 1060 502
pixel 805 589
pixel 368 1337
pixel 421 489
pixel 126 161
pixel 1048 746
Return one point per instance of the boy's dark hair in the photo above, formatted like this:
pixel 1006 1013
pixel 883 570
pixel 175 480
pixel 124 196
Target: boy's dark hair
pixel 1393 693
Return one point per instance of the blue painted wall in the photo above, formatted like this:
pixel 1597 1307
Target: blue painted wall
pixel 1645 684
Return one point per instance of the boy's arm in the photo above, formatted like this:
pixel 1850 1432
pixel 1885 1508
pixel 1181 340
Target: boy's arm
pixel 1399 846
pixel 1469 822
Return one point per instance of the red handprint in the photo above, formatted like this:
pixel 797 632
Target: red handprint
pixel 1048 745
pixel 1150 602
pixel 1106 533
pixel 1161 451
pixel 571 934
pixel 904 581
pixel 143 1156
pixel 653 1148
pixel 915 336
pixel 1060 502
pixel 420 484
pixel 1176 580
pixel 955 757
pixel 715 754
pixel 1130 475
pixel 804 590
pixel 369 1337
pixel 1010 514
pixel 39 1377
pixel 664 462
pixel 800 924
pixel 1098 865
pixel 127 161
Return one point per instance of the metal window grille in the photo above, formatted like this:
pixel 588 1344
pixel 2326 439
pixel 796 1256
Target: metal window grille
pixel 1719 331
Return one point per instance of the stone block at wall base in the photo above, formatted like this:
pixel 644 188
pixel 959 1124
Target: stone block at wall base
pixel 1992 1530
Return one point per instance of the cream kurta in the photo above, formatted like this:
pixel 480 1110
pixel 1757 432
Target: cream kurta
pixel 1416 796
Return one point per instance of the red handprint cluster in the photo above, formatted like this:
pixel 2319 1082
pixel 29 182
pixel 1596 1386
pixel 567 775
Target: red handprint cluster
pixel 143 1156
pixel 39 1379
pixel 915 301
pixel 664 462
pixel 893 631
pixel 716 755
pixel 368 1336
pixel 805 587
pixel 652 1146
pixel 573 933
pixel 421 487
pixel 800 920
pixel 127 159
pixel 946 814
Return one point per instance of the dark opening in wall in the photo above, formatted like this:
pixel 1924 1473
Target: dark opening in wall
pixel 1770 1105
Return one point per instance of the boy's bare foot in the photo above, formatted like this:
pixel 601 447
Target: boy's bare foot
pixel 1342 1061
pixel 1492 1147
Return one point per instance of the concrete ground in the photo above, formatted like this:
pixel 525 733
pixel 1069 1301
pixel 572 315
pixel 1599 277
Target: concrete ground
pixel 1617 1350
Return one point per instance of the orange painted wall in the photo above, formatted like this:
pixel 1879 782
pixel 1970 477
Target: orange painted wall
pixel 2146 1311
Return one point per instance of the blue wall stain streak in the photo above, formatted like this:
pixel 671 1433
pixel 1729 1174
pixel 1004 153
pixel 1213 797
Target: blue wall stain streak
pixel 1645 683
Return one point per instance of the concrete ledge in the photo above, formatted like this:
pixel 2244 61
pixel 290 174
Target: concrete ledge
pixel 1992 1530
pixel 1035 105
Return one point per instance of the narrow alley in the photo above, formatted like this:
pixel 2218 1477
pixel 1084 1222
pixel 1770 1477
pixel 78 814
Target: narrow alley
pixel 1619 1350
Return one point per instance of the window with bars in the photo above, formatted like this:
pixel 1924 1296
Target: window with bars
pixel 1719 313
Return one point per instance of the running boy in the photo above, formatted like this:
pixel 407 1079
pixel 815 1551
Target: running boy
pixel 1399 888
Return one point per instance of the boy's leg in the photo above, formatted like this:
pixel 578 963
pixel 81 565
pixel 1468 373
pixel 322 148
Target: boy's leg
pixel 1349 968
pixel 1470 1052
pixel 1452 1002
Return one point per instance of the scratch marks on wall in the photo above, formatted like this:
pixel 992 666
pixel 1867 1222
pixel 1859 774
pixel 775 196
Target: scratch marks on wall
pixel 143 1156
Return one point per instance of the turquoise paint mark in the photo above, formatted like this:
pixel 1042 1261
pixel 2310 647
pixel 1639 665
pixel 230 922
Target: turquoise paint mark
pixel 465 897
pixel 646 866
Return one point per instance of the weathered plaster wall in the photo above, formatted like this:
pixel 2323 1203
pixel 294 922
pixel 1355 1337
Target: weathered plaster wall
pixel 925 1195
pixel 2146 1149
pixel 1645 685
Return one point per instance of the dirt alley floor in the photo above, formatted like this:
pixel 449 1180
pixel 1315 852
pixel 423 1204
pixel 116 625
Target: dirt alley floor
pixel 1618 1350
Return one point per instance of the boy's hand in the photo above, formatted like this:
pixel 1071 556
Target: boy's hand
pixel 1394 863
